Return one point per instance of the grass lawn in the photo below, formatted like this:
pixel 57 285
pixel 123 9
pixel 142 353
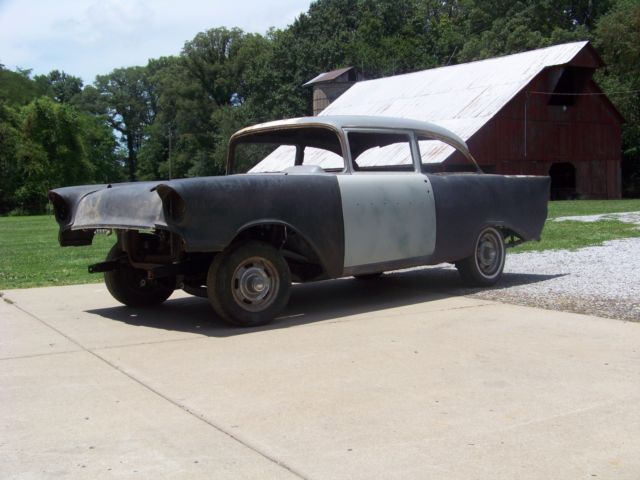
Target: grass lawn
pixel 572 235
pixel 569 208
pixel 30 255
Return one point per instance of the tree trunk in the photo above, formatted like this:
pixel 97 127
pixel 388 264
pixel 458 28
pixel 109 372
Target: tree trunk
pixel 131 158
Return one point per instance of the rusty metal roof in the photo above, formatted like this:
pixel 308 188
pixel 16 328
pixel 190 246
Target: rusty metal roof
pixel 328 76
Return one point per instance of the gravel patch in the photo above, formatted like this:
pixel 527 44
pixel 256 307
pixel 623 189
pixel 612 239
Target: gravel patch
pixel 602 280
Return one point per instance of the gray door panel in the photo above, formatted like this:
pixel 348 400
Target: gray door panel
pixel 387 217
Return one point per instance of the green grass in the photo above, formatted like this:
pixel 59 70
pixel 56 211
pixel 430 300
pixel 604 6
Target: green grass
pixel 30 255
pixel 567 208
pixel 572 235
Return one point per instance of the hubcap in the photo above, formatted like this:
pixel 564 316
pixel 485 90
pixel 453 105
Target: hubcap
pixel 488 253
pixel 255 284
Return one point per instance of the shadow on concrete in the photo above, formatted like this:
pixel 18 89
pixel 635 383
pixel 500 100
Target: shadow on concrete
pixel 315 302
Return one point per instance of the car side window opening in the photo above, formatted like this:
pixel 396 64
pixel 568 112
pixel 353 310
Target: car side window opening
pixel 276 151
pixel 437 156
pixel 380 151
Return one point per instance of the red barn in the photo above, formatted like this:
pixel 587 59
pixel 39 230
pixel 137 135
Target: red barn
pixel 532 113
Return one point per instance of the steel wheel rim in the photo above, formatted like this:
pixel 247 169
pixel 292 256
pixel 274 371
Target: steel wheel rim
pixel 489 254
pixel 255 284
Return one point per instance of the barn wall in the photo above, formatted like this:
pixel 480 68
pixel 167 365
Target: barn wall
pixel 586 134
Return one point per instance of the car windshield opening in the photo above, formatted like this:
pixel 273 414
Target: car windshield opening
pixel 278 150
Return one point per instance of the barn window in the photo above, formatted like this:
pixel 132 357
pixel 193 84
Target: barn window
pixel 568 81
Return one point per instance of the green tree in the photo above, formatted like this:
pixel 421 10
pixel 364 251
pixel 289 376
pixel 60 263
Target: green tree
pixel 17 88
pixel 194 118
pixel 127 99
pixel 499 27
pixel 59 85
pixel 11 141
pixel 182 129
pixel 52 154
pixel 618 41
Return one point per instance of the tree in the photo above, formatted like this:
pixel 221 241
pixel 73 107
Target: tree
pixel 618 41
pixel 60 86
pixel 194 93
pixel 127 99
pixel 11 140
pixel 52 153
pixel 16 88
pixel 499 27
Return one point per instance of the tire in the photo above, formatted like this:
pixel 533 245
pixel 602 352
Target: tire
pixel 131 287
pixel 484 267
pixel 249 285
pixel 368 276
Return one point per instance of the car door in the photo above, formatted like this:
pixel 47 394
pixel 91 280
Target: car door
pixel 388 205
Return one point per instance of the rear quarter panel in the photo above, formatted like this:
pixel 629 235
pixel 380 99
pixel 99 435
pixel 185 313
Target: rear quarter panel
pixel 466 203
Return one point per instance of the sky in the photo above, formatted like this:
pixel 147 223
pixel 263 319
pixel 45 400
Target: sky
pixel 92 37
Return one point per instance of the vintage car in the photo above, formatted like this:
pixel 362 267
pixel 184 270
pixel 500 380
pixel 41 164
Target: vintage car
pixel 322 198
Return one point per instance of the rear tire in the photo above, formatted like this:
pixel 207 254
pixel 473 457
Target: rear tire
pixel 131 287
pixel 249 285
pixel 484 267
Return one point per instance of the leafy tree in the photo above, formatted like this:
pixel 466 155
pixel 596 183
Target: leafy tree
pixel 498 27
pixel 17 88
pixel 101 149
pixel 182 128
pixel 618 41
pixel 60 86
pixel 193 93
pixel 52 155
pixel 127 99
pixel 11 141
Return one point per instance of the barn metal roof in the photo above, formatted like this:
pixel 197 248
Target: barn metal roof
pixel 460 97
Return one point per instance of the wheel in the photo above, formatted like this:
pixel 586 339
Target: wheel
pixel 249 285
pixel 131 287
pixel 484 267
pixel 368 276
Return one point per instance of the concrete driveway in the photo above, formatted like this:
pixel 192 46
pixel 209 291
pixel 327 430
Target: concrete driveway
pixel 384 379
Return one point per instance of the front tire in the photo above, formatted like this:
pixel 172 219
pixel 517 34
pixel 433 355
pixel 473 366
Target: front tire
pixel 131 287
pixel 484 267
pixel 249 285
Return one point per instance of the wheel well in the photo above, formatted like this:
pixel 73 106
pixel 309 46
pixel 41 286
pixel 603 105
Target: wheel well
pixel 304 263
pixel 511 237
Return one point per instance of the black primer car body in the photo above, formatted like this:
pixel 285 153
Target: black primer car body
pixel 340 196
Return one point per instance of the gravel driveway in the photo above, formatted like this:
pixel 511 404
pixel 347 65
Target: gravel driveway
pixel 602 281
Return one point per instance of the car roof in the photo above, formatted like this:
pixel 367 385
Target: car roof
pixel 339 122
